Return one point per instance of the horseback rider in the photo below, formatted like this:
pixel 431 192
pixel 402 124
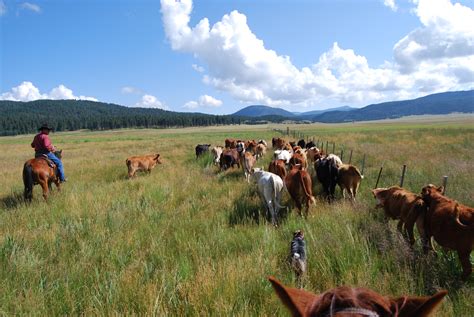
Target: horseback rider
pixel 42 145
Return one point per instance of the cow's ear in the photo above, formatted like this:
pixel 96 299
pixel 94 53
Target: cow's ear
pixel 417 306
pixel 440 189
pixel 296 300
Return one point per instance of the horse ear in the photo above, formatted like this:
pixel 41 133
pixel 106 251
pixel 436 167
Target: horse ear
pixel 296 300
pixel 440 189
pixel 417 306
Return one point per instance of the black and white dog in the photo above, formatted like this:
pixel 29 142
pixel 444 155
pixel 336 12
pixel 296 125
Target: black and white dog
pixel 298 253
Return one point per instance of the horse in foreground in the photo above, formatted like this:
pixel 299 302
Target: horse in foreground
pixel 40 170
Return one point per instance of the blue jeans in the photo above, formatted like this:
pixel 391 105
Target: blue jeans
pixel 59 164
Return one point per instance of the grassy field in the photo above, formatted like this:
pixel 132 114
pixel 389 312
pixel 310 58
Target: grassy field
pixel 187 240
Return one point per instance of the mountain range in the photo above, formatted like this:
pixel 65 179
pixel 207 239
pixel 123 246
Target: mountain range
pixel 261 111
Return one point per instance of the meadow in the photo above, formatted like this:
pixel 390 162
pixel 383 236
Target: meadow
pixel 188 240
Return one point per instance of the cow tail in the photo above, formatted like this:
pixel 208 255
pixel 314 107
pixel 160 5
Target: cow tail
pixel 458 221
pixel 275 194
pixel 358 173
pixel 28 181
pixel 308 196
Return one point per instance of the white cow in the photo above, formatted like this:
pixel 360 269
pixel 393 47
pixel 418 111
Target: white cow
pixel 282 155
pixel 216 152
pixel 270 187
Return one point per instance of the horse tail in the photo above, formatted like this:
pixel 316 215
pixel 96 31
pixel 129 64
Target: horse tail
pixel 28 181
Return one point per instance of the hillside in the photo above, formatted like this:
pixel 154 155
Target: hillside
pixel 24 117
pixel 442 103
pixel 260 111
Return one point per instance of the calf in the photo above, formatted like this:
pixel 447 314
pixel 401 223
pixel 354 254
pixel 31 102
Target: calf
pixel 310 144
pixel 142 163
pixel 216 153
pixel 349 178
pixel 278 143
pixel 345 301
pixel 270 187
pixel 337 159
pixel 201 149
pixel 229 158
pixel 248 163
pixel 282 155
pixel 278 167
pixel 261 141
pixel 298 159
pixel 313 154
pixel 403 205
pixel 260 150
pixel 301 143
pixel 327 174
pixel 230 143
pixel 299 186
pixel 450 224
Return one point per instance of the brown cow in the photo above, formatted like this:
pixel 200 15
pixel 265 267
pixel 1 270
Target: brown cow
pixel 142 163
pixel 349 178
pixel 230 143
pixel 313 154
pixel 278 143
pixel 407 207
pixel 354 302
pixel 248 163
pixel 260 151
pixel 298 159
pixel 299 185
pixel 278 167
pixel 229 158
pixel 251 146
pixel 450 224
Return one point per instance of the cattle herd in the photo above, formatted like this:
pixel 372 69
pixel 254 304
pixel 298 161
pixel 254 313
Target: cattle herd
pixel 436 216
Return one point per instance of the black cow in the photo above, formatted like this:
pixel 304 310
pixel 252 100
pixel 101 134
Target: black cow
pixel 302 143
pixel 229 158
pixel 310 144
pixel 201 149
pixel 327 173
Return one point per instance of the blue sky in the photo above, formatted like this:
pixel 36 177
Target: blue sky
pixel 299 55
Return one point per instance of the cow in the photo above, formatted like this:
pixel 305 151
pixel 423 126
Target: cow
pixel 201 149
pixel 337 159
pixel 288 147
pixel 240 147
pixel 278 167
pixel 261 141
pixel 278 143
pixel 298 159
pixel 450 223
pixel 216 153
pixel 230 143
pixel 346 301
pixel 142 163
pixel 229 158
pixel 282 155
pixel 404 206
pixel 310 144
pixel 300 187
pixel 270 187
pixel 349 178
pixel 301 143
pixel 248 163
pixel 312 154
pixel 327 174
pixel 251 146
pixel 260 150
pixel 292 144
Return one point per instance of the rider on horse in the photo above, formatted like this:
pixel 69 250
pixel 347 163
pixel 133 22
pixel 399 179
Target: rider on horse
pixel 42 145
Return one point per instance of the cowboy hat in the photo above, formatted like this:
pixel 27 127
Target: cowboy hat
pixel 45 126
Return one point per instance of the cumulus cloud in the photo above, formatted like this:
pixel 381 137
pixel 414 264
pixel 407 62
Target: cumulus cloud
pixel 128 90
pixel 436 57
pixel 204 101
pixel 150 101
pixel 26 91
pixel 391 4
pixel 198 68
pixel 3 8
pixel 31 7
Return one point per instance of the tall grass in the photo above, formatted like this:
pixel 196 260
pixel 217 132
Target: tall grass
pixel 189 240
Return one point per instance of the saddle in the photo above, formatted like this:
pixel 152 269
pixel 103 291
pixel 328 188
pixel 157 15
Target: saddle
pixel 45 157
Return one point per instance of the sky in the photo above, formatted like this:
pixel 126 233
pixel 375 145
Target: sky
pixel 217 56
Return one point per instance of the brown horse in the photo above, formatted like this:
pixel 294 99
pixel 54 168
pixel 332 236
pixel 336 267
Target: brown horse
pixel 38 171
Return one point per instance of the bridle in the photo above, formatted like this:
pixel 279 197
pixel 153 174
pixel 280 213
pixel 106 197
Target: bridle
pixel 349 310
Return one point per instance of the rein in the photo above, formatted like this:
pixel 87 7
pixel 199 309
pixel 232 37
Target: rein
pixel 349 310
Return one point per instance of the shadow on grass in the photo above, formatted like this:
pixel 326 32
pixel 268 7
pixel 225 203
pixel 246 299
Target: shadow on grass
pixel 12 201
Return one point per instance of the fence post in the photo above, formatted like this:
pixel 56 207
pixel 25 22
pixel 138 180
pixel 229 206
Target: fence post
pixel 403 175
pixel 342 153
pixel 445 182
pixel 333 147
pixel 378 177
pixel 327 146
pixel 350 157
pixel 363 164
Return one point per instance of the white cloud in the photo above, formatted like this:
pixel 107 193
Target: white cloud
pixel 436 57
pixel 26 91
pixel 3 8
pixel 205 101
pixel 198 68
pixel 127 90
pixel 391 4
pixel 150 101
pixel 31 7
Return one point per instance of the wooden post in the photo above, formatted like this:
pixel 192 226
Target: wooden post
pixel 350 157
pixel 402 179
pixel 327 146
pixel 363 165
pixel 333 147
pixel 287 130
pixel 445 182
pixel 342 154
pixel 378 177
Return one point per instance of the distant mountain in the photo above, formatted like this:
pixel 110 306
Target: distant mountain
pixel 261 111
pixel 441 103
pixel 316 112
